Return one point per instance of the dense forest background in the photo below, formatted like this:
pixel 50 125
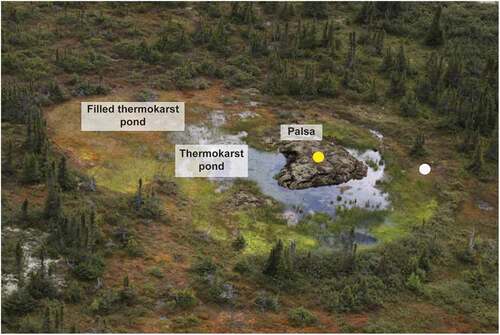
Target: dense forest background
pixel 431 67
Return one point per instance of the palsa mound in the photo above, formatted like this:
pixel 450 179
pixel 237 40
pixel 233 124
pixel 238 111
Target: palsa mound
pixel 301 172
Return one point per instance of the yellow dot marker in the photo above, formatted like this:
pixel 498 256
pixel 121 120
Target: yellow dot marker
pixel 318 157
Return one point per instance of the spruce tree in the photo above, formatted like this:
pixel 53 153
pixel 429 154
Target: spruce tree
pixel 239 243
pixel 401 61
pixel 235 12
pixel 249 15
pixel 201 34
pixel 418 149
pixel 327 36
pixel 275 259
pixel 366 13
pixel 373 95
pixel 409 105
pixel 492 152
pixel 387 61
pixel 351 56
pixel 269 7
pixel 485 113
pixel 308 82
pixel 327 86
pixel 454 70
pixel 8 163
pixel 397 87
pixel 470 136
pixel 435 35
pixel 20 264
pixel 53 205
pixel 62 175
pixel 218 40
pixel 83 232
pixel 138 200
pixel 31 170
pixel 47 327
pixel 35 126
pixel 287 11
pixel 258 43
pixel 42 254
pixel 61 318
pixel 57 320
pixel 24 210
pixel 93 232
pixel 378 41
pixel 317 10
pixel 430 87
pixel 477 163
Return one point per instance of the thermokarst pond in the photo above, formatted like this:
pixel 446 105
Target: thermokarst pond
pixel 263 166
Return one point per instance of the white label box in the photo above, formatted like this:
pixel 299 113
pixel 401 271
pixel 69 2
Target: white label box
pixel 132 116
pixel 301 132
pixel 211 161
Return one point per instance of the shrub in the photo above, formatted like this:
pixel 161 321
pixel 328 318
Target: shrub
pixel 418 149
pixel 20 302
pixel 30 325
pixel 174 59
pixel 300 317
pixel 221 292
pixel 134 248
pixel 184 75
pixel 73 292
pixel 56 92
pixel 476 278
pixel 151 208
pixel 86 88
pixel 242 266
pixel 414 283
pixel 128 296
pixel 41 286
pixel 409 105
pixel 236 77
pixel 146 95
pixel 205 267
pixel 267 302
pixel 106 303
pixel 31 169
pixel 89 268
pixel 186 322
pixel 81 62
pixel 239 243
pixel 327 86
pixel 371 163
pixel 355 293
pixel 184 299
pixel 29 68
pixel 156 272
pixel 207 68
pixel 125 49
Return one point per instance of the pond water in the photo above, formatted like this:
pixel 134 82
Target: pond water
pixel 263 166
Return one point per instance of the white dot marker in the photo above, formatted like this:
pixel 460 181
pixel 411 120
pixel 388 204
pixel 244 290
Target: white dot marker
pixel 424 169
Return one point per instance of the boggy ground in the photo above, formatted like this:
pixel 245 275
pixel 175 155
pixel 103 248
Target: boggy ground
pixel 202 222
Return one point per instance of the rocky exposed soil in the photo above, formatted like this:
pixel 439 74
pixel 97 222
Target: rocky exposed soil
pixel 302 172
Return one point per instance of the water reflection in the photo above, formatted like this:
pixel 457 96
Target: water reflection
pixel 263 166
